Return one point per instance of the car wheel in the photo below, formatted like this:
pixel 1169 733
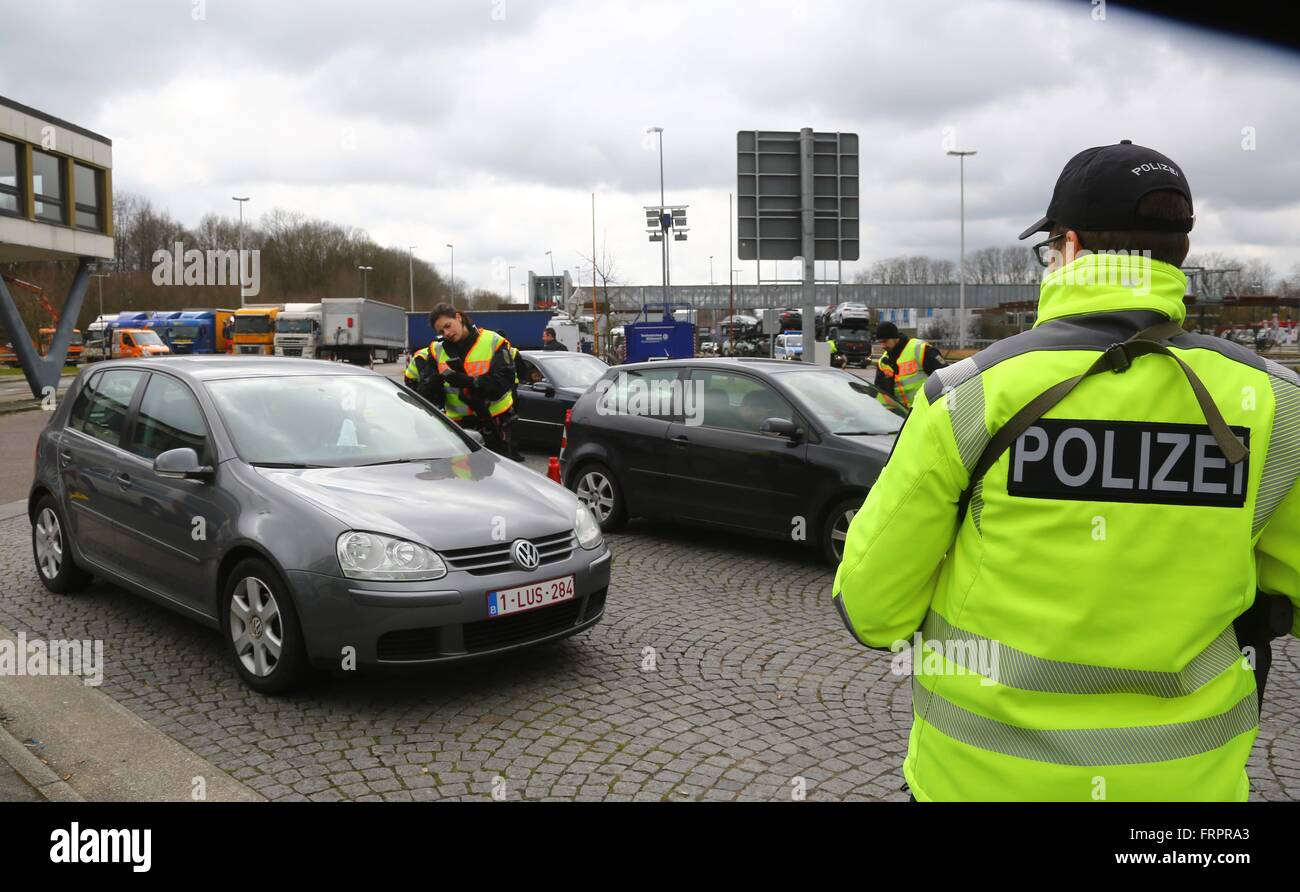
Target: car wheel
pixel 54 563
pixel 261 628
pixel 836 528
pixel 595 487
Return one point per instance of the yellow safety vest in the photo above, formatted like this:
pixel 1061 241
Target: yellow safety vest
pixel 911 376
pixel 477 363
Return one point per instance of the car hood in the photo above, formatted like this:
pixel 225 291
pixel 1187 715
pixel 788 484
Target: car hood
pixel 882 443
pixel 458 502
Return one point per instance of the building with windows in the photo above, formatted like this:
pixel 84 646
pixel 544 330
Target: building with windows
pixel 56 203
pixel 55 188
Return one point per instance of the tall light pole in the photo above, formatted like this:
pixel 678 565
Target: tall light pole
pixel 241 246
pixel 410 259
pixel 961 274
pixel 510 284
pixel 550 292
pixel 710 269
pixel 664 246
pixel 364 270
pixel 101 277
pixel 452 248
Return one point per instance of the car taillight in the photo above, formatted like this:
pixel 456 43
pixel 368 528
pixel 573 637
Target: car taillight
pixel 564 437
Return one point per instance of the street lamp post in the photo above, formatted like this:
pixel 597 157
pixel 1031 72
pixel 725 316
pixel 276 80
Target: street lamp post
pixel 410 259
pixel 364 270
pixel 240 272
pixel 664 246
pixel 550 290
pixel 961 274
pixel 510 284
pixel 452 249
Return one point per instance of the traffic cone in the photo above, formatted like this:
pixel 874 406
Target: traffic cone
pixel 553 470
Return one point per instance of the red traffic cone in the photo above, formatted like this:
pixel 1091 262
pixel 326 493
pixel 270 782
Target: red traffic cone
pixel 553 470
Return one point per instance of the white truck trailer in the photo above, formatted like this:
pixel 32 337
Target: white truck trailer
pixel 361 331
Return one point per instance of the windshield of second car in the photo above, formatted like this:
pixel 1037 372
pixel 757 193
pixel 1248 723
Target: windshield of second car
pixel 575 371
pixel 844 403
pixel 331 421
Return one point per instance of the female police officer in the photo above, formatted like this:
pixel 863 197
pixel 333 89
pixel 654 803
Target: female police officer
pixel 470 374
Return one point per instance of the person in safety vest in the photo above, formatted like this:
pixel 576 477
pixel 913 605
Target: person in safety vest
pixel 476 370
pixel 1076 520
pixel 905 365
pixel 421 375
pixel 837 360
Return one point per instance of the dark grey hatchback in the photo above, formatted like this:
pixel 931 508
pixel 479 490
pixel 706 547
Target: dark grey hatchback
pixel 316 513
pixel 785 450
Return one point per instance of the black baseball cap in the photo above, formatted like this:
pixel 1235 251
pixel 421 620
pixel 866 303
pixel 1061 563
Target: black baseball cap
pixel 1099 190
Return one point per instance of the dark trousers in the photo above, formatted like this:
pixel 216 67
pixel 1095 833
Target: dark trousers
pixel 496 433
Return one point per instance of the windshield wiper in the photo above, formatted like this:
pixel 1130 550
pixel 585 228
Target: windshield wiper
pixel 286 464
pixel 396 461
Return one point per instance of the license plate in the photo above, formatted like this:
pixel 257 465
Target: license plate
pixel 530 597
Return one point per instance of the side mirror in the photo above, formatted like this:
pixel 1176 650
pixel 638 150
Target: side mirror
pixel 781 427
pixel 474 435
pixel 181 464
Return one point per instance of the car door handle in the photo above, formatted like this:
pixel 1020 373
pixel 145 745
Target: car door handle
pixel 65 456
pixel 681 440
pixel 123 480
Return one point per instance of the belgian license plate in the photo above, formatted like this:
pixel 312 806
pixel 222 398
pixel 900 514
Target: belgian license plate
pixel 530 597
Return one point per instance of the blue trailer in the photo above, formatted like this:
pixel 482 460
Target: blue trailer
pixel 665 338
pixel 522 328
pixel 194 331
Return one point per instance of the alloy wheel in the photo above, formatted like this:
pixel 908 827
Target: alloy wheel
pixel 597 492
pixel 49 543
pixel 256 627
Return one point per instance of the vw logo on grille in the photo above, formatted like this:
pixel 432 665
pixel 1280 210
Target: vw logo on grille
pixel 525 554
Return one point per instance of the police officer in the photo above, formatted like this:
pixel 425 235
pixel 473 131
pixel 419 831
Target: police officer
pixel 906 364
pixel 1074 519
pixel 473 377
pixel 421 375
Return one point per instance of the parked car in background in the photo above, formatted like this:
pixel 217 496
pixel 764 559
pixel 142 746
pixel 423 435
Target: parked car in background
pixel 788 346
pixel 550 382
pixel 756 446
pixel 340 515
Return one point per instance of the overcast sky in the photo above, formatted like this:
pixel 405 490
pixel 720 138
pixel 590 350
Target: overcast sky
pixel 489 123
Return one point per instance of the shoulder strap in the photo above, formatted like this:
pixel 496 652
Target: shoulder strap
pixel 1116 358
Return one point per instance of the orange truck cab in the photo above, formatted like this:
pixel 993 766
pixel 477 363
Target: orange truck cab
pixel 74 346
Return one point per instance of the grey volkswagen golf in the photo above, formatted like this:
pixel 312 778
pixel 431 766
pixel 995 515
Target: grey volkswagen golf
pixel 317 514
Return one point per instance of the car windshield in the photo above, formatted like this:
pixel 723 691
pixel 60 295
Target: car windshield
pixel 576 370
pixel 331 421
pixel 844 403
pixel 794 340
pixel 147 338
pixel 293 326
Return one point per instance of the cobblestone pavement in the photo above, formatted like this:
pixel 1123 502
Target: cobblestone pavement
pixel 755 684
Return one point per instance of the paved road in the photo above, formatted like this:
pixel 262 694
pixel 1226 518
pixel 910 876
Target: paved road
pixel 754 684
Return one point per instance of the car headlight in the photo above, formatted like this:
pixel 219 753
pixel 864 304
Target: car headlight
pixel 372 556
pixel 586 528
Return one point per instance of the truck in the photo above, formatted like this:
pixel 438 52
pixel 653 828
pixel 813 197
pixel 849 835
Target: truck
pixel 195 331
pixel 95 346
pixel 522 328
pixel 297 330
pixel 255 329
pixel 359 330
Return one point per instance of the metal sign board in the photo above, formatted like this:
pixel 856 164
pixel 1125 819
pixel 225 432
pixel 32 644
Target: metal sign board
pixel 769 191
